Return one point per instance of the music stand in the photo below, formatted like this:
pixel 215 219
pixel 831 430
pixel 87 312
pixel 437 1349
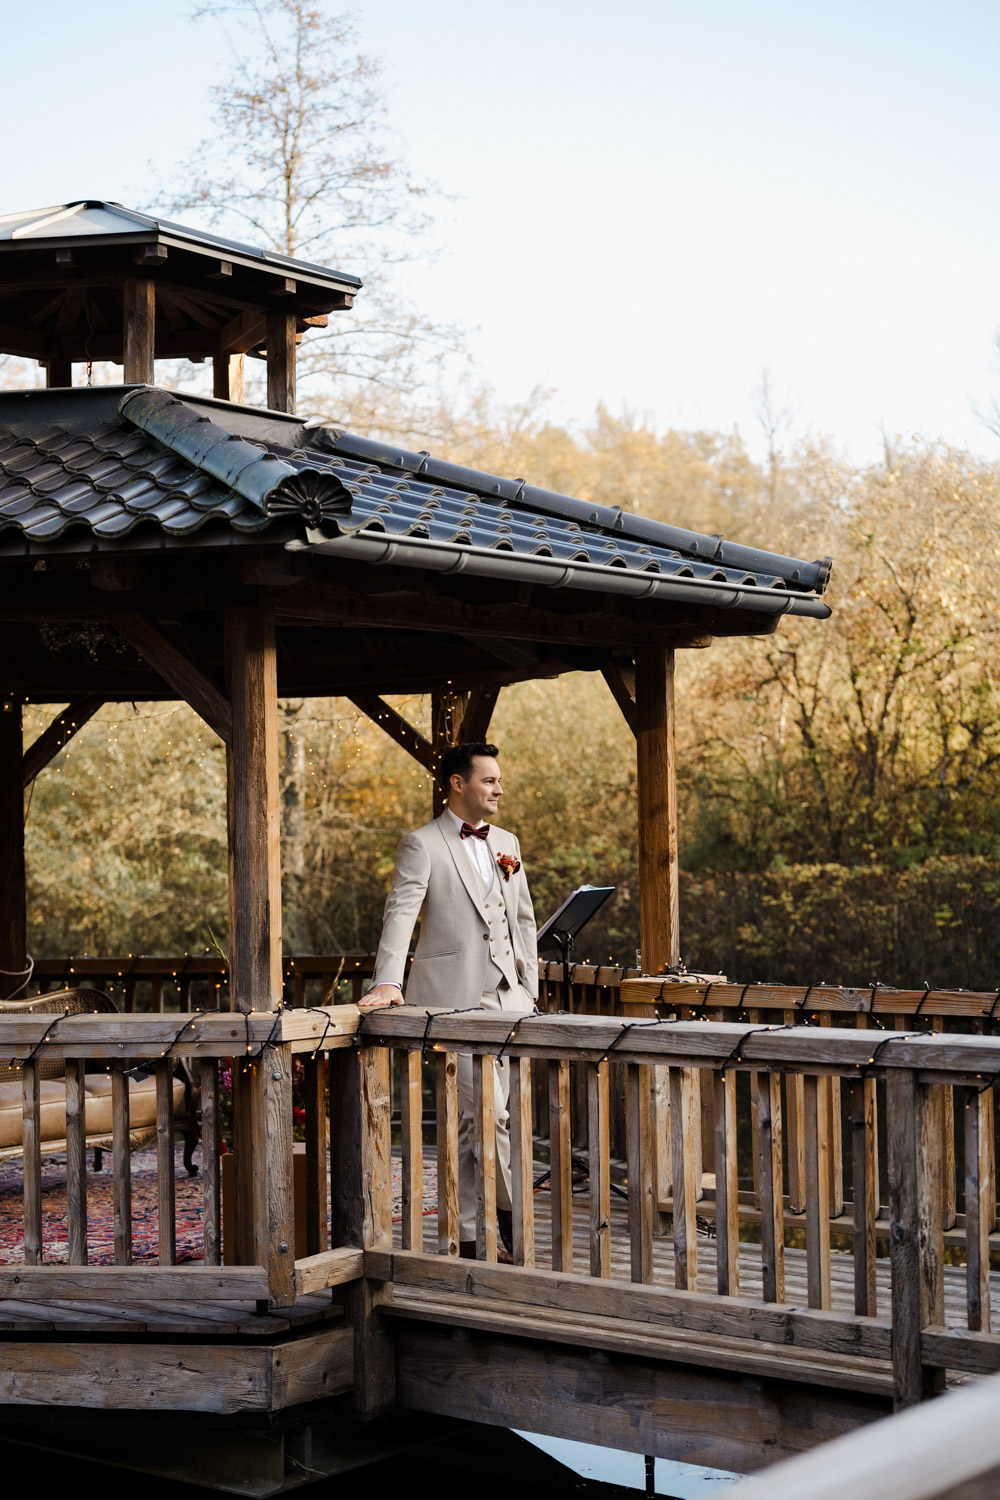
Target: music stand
pixel 557 935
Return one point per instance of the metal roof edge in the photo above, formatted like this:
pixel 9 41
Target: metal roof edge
pixel 813 576
pixel 441 557
pixel 184 236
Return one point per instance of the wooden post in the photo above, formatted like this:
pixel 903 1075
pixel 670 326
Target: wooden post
pixel 915 1155
pixel 58 371
pixel 228 382
pixel 261 1123
pixel 656 777
pixel 360 1143
pixel 13 918
pixel 281 361
pixel 254 853
pixel 265 1202
pixel 138 331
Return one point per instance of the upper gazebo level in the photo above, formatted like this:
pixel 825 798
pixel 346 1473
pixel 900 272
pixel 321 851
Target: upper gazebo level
pixel 95 281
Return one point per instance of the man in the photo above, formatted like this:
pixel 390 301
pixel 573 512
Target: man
pixel 477 946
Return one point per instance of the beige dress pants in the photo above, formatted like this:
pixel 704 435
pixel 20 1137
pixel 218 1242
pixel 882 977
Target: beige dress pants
pixel 504 1001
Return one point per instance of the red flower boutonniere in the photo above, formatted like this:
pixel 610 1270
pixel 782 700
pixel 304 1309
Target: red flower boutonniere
pixel 508 865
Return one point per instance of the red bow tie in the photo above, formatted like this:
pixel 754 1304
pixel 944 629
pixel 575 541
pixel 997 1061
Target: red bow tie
pixel 468 832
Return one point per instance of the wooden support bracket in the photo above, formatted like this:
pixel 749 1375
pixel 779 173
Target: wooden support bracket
pixel 62 729
pixel 619 674
pixel 396 727
pixel 178 671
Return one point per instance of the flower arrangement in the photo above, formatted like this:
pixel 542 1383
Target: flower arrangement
pixel 508 865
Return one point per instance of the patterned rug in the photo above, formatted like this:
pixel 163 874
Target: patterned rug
pixel 100 1210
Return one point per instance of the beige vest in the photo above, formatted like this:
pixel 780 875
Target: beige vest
pixel 501 966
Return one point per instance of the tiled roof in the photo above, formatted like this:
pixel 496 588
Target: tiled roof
pixel 107 482
pixel 161 461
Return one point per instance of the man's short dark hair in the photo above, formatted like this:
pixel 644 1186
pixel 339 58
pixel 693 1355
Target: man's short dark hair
pixel 458 760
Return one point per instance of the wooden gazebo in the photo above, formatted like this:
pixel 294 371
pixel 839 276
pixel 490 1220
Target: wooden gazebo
pixel 244 554
pixel 158 545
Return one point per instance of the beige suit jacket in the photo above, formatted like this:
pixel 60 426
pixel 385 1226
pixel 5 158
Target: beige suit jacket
pixel 435 880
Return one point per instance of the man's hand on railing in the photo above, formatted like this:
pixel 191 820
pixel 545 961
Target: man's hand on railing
pixel 380 996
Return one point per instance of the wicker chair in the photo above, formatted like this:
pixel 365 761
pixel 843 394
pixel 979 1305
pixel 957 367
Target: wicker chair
pixel 142 1091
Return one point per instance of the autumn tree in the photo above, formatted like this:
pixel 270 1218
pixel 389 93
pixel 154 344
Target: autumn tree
pixel 877 734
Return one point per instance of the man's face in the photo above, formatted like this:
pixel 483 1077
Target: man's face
pixel 476 799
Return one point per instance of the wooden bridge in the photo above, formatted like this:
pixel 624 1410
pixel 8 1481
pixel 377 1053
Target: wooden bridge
pixel 735 1238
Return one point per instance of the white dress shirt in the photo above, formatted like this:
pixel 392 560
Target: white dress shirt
pixel 478 850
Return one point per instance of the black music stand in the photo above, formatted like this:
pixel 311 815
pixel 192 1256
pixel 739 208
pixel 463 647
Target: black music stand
pixel 556 937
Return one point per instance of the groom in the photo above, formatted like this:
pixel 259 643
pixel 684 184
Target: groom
pixel 476 948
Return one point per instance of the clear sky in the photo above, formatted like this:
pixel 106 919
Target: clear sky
pixel 653 200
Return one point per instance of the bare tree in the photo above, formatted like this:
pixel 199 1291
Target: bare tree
pixel 300 160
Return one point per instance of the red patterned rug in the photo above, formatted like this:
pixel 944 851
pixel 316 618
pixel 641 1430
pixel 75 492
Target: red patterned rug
pixel 100 1210
pixel 100 1213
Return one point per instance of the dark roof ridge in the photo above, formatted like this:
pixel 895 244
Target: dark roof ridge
pixel 813 576
pixel 266 481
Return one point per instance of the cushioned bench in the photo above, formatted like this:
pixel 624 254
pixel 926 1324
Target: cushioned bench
pixel 97 1091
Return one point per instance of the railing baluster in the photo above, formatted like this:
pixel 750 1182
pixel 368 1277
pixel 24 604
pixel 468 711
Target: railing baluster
pixel 979 1190
pixel 314 1099
pixel 561 1166
pixel 121 1168
pixel 727 1207
pixel 447 1152
pixel 484 1106
pixel 772 1219
pixel 641 1203
pixel 830 1104
pixel 32 1142
pixel 599 1152
pixel 752 1017
pixel 165 1204
pixel 685 1140
pixel 411 1135
pixel 210 1173
pixel 817 1162
pixel 864 1186
pixel 522 1162
pixel 76 1160
pixel 949 1185
pixel 662 1161
pixel 795 1131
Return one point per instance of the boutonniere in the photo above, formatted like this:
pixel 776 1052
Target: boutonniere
pixel 508 865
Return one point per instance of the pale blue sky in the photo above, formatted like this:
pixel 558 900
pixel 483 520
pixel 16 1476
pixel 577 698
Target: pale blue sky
pixel 653 200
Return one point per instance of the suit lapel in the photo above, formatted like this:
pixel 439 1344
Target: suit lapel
pixel 463 864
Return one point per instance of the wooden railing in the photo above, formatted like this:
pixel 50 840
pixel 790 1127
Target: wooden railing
pixel 796 1286
pixel 258 1049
